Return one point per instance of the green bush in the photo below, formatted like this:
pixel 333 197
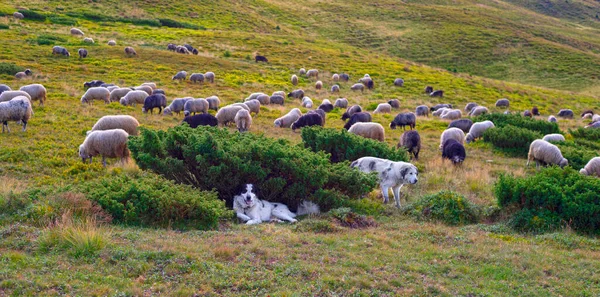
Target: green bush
pixel 212 158
pixel 4 27
pixel 535 221
pixel 32 15
pixel 448 207
pixel 577 155
pixel 62 20
pixel 10 68
pixel 47 39
pixel 148 200
pixel 141 22
pixel 586 133
pixel 513 141
pixel 91 16
pixel 501 120
pixel 343 146
pixel 565 193
pixel 175 24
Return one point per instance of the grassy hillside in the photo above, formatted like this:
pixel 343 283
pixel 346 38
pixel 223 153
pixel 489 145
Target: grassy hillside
pixel 389 40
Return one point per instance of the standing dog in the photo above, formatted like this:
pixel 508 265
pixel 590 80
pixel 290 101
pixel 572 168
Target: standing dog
pixel 391 174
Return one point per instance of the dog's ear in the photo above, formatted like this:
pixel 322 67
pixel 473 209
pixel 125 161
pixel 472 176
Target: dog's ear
pixel 404 171
pixel 256 191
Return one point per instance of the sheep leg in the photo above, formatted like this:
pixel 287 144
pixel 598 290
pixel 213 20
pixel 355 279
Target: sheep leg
pixel 7 128
pixel 104 161
pixel 24 126
pixel 396 192
pixel 384 192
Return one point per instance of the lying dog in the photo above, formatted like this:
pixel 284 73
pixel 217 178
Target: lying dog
pixel 252 210
pixel 391 174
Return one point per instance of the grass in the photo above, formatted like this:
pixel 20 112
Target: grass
pixel 550 63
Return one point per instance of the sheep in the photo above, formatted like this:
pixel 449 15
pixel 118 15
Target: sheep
pixel 112 42
pixel 345 77
pixel 535 111
pixel 586 113
pixel 154 101
pixel 260 59
pixel 279 93
pixel 428 89
pixel 107 143
pixel 368 130
pixel 320 112
pixel 452 133
pixel 88 40
pixel 171 47
pixel 477 130
pixel 554 137
pixel 369 84
pixel 359 117
pixel 36 92
pixel 181 75
pixel 394 103
pixel 130 51
pixel 307 102
pixel 16 109
pixel 335 77
pixel 194 106
pixel 146 89
pixel 306 120
pixel 422 110
pixel 196 77
pixel 587 116
pixel 326 106
pixel 254 96
pixel 593 125
pixel 451 114
pixel 83 53
pixel 545 153
pixel 341 103
pixel 4 88
pixel 478 110
pixel 182 50
pixel 151 85
pixel 552 119
pixel 296 94
pixel 288 119
pixel 18 15
pixel 350 111
pixel 203 119
pixel 439 106
pixel 133 97
pixel 453 151
pixel 335 89
pixel 264 99
pixel 357 87
pixel 176 105
pixel 470 106
pixel 592 167
pixel 106 85
pixel 565 113
pixel 209 77
pixel 527 113
pixel 312 73
pixel 411 141
pixel 59 50
pixel 188 47
pixel 93 83
pixel 213 102
pixel 96 93
pixel 253 105
pixel 502 103
pixel 227 114
pixel 463 124
pixel 243 120
pixel 109 122
pixel 440 111
pixel 383 108
pixel 75 31
pixel 595 118
pixel 437 93
pixel 403 120
pixel 319 85
pixel 9 95
pixel 117 94
pixel 302 71
pixel 23 74
pixel 276 99
pixel 294 80
pixel 398 82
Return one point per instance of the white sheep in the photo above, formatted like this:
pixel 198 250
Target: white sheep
pixel 88 40
pixel 477 130
pixel 341 103
pixel 75 31
pixel 253 105
pixel 176 105
pixel 254 96
pixel 319 85
pixel 294 80
pixel 242 105
pixel 151 85
pixel 595 118
pixel 194 106
pixel 213 102
pixel 335 89
pixel 227 114
pixel 109 122
pixel 452 133
pixel 209 77
pixel 545 153
pixel 478 110
pixel 307 102
pixel 36 92
pixel 134 97
pixel 16 109
pixel 181 75
pixel 335 77
pixel 312 73
pixel 383 108
pixel 9 95
pixel 112 43
pixel 592 167
pixel 107 143
pixel 146 89
pixel 451 114
pixel 112 88
pixel 96 93
pixel 279 93
pixel 368 130
pixel 552 119
pixel 264 99
pixel 197 77
pixel 288 119
pixel 117 94
pixel 18 15
pixel 243 120
pixel 326 101
pixel 439 112
pixel 554 137
pixel 302 71
pixel 357 87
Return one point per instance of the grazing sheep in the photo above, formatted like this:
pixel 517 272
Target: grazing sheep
pixel 477 130
pixel 545 153
pixel 288 119
pixel 586 113
pixel 253 105
pixel 357 87
pixel 440 111
pixel 109 122
pixel 296 94
pixel 294 80
pixel 439 106
pixel 368 130
pixel 93 83
pixel 23 74
pixel 171 47
pixel 203 119
pixel 453 151
pixel 344 77
pixel 196 77
pixel 264 99
pixel 595 118
pixel 593 125
pixel 107 143
pixel 176 105
pixel 83 53
pixel 470 106
pixel 479 110
pixel 428 89
pixel 188 47
pixel 451 114
pixel 302 71
pixel 437 93
pixel 463 124
pixel 422 110
pixel 359 117
pixel 592 167
pixel 307 102
pixel 36 92
pixel 4 88
pixel 194 106
pixel 553 137
pixel 341 103
pixel 320 112
pixel 587 116
pixel 146 89
pixel 398 82
pixel 75 31
pixel 112 43
pixel 227 114
pixel 394 103
pixel 312 73
pixel 369 84
pixel 182 50
pixel 243 120
pixel 59 50
pixel 319 85
pixel 130 51
pixel 18 15
pixel 452 133
pixel 335 77
pixel 88 40
pixel 383 108
pixel 209 77
pixel 181 75
pixel 527 113
pixel 552 119
pixel 335 89
pixel 279 93
pixel 306 120
pixel 326 106
pixel 242 105
pixel 112 88
pixel 213 102
pixel 254 96
pixel 9 95
pixel 16 109
pixel 96 93
pixel 151 85
pixel 411 141
pixel 134 97
pixel 117 94
pixel 276 99
pixel 350 111
pixel 403 120
pixel 260 59
pixel 154 101
pixel 106 85
pixel 535 111
pixel 502 103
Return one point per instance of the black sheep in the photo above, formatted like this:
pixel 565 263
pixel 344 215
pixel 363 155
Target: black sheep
pixel 370 84
pixel 277 99
pixel 319 112
pixel 404 119
pixel 344 77
pixel 565 113
pixel 438 106
pixel 309 119
pixel 158 91
pixel 437 93
pixel 463 124
pixel 326 107
pixel 203 119
pixel 260 59
pixel 411 140
pixel 428 89
pixel 453 151
pixel 154 101
pixel 350 111
pixel 92 84
pixel 195 51
pixel 188 47
pixel 535 111
pixel 527 113
pixel 395 103
pixel 362 117
pixel 171 47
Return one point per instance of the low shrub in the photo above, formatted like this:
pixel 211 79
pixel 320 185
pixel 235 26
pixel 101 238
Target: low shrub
pixel 4 27
pixel 568 195
pixel 141 22
pixel 32 15
pixel 592 134
pixel 577 155
pixel 10 68
pixel 501 120
pixel 535 221
pixel 447 207
pixel 347 218
pixel 47 39
pixel 62 20
pixel 175 24
pixel 511 140
pixel 342 146
pixel 80 238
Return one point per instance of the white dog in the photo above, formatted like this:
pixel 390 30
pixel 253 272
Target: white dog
pixel 252 210
pixel 391 174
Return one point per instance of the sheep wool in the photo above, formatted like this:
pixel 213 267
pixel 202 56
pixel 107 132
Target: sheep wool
pixel 288 119
pixel 37 92
pixel 452 133
pixel 96 93
pixel 125 122
pixel 194 106
pixel 9 95
pixel 133 97
pixel 16 109
pixel 227 114
pixel 369 130
pixel 554 137
pixel 243 120
pixel 107 143
pixel 545 153
pixel 117 94
pixel 253 105
pixel 383 108
pixel 477 130
pixel 592 168
pixel 176 106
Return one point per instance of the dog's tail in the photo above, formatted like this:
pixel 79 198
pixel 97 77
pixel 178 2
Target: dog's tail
pixel 308 208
